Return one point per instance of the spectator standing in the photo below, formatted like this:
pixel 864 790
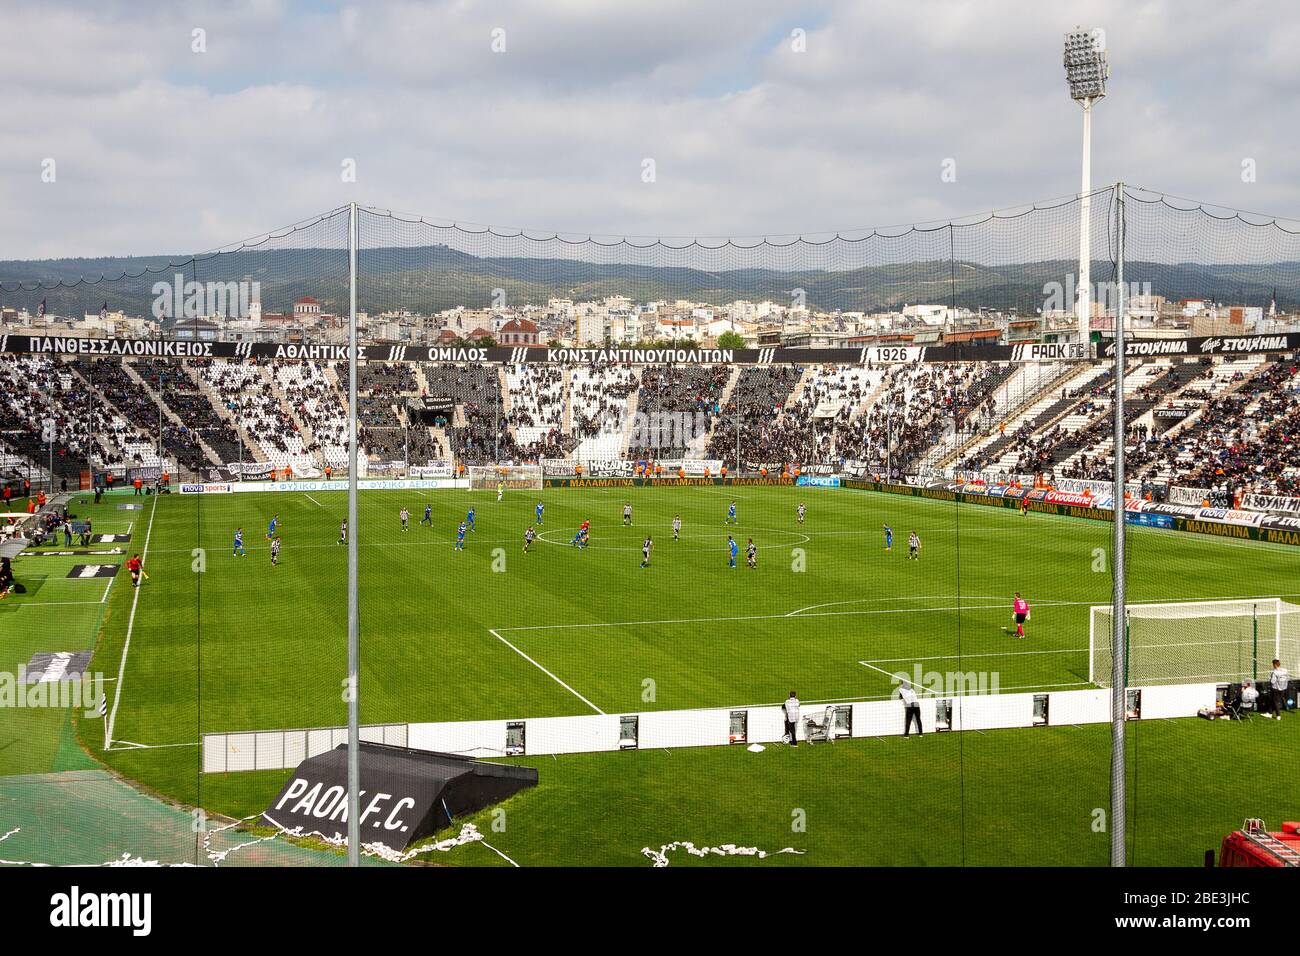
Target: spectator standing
pixel 1277 682
pixel 911 709
pixel 791 706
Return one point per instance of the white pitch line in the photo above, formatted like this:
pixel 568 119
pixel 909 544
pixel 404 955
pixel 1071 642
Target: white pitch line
pixel 314 501
pixel 126 646
pixel 896 677
pixel 953 657
pixel 924 597
pixel 34 604
pixel 1064 650
pixel 106 587
pixel 545 671
pixel 881 670
pixel 771 617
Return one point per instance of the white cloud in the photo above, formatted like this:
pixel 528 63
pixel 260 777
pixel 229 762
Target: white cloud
pixel 163 150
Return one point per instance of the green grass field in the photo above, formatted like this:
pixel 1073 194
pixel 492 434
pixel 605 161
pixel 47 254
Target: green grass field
pixel 214 643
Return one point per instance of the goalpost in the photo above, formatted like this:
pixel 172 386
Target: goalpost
pixel 1196 641
pixel 513 476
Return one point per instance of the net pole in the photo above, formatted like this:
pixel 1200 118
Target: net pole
pixel 1254 642
pixel 1119 675
pixel 354 743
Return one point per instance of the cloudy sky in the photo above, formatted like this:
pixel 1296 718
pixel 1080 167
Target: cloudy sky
pixel 178 127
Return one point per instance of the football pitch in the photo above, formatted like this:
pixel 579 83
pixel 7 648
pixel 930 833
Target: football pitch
pixel 214 642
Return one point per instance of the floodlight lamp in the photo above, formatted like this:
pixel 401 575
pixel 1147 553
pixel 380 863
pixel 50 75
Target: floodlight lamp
pixel 1086 69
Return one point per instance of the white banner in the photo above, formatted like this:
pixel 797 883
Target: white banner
pixel 608 468
pixel 207 488
pixel 694 468
pixel 434 469
pixel 1078 486
pixel 1279 504
pixel 1188 496
pixel 559 467
pixel 1230 516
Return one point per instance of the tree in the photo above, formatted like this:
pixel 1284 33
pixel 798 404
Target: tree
pixel 731 340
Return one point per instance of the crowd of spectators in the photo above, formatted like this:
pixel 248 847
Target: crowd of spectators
pixel 1240 431
pixel 598 399
pixel 671 396
pixel 754 412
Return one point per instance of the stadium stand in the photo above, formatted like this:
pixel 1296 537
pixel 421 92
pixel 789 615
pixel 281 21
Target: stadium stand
pixel 1227 426
pixel 602 400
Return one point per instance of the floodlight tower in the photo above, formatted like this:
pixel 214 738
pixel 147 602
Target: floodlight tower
pixel 1086 72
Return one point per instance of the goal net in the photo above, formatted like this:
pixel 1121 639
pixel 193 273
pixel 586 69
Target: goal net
pixel 511 476
pixel 1196 641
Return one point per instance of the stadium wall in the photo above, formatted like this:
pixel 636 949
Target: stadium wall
pixel 591 733
pixel 1221 522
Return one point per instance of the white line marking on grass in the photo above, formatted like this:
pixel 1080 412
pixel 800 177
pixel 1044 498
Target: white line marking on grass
pixel 500 854
pixel 545 671
pixel 132 745
pixel 1063 650
pixel 51 603
pixel 106 587
pixel 923 597
pixel 771 617
pixel 314 501
pixel 126 646
pixel 904 677
pixel 892 677
pixel 953 657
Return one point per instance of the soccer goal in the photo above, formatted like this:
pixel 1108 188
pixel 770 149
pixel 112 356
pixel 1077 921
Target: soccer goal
pixel 1196 641
pixel 512 476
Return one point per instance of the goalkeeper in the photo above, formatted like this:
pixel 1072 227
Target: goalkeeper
pixel 1020 611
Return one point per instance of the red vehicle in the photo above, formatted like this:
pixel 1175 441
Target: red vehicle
pixel 1253 845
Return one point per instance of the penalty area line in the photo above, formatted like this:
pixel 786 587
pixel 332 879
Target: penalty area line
pixel 545 671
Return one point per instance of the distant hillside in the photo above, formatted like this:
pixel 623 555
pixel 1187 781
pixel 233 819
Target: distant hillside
pixel 432 278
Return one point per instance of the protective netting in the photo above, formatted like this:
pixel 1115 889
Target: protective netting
pixel 600 605
pixel 1000 260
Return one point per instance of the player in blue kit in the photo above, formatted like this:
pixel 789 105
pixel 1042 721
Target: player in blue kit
pixel 731 514
pixel 460 537
pixel 540 508
pixel 734 549
pixel 428 516
pixel 270 532
pixel 470 519
pixel 889 538
pixel 239 543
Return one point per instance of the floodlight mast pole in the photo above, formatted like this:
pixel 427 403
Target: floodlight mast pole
pixel 354 746
pixel 1085 73
pixel 1119 613
pixel 1084 307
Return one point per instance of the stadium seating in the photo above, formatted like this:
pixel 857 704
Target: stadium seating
pixel 1227 425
